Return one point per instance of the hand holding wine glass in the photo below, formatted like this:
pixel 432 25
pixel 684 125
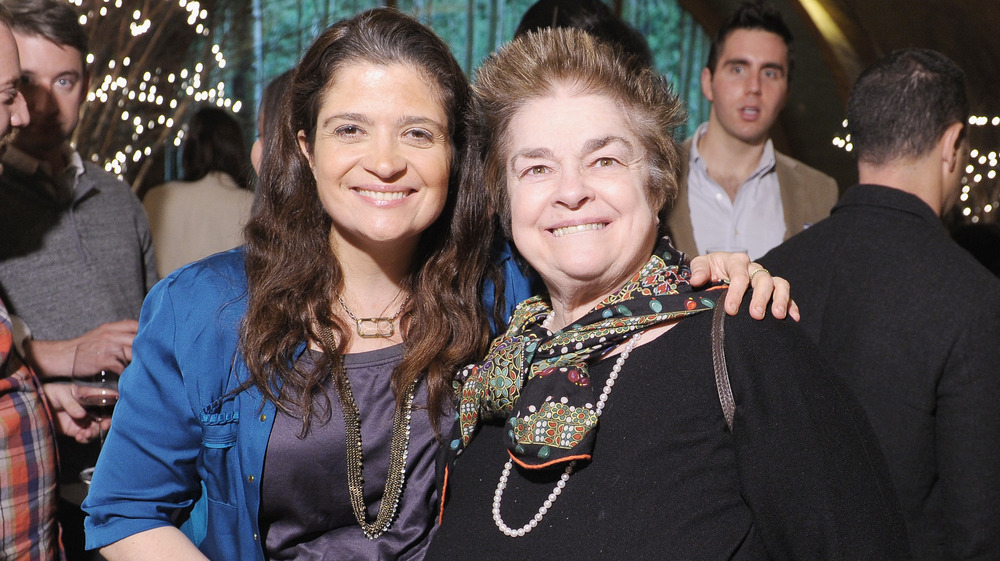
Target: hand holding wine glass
pixel 108 347
pixel 96 392
pixel 70 417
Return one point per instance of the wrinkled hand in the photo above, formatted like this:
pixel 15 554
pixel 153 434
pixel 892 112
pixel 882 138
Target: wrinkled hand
pixel 71 418
pixel 108 347
pixel 738 268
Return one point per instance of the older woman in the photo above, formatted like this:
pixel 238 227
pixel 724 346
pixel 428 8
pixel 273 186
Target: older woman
pixel 602 432
pixel 269 408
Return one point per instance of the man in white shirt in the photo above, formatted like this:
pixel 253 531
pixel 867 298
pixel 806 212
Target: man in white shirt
pixel 738 193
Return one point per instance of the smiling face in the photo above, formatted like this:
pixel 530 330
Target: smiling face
pixel 13 111
pixel 749 85
pixel 576 177
pixel 380 155
pixel 54 83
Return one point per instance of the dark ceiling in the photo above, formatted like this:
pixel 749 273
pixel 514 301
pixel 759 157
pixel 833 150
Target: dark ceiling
pixel 836 39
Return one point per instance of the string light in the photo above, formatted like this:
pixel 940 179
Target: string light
pixel 139 99
pixel 980 172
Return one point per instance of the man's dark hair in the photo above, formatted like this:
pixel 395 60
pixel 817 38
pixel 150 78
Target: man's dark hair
pixel 902 104
pixel 752 16
pixel 592 16
pixel 214 142
pixel 55 20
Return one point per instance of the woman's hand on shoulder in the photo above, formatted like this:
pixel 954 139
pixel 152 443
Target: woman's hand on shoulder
pixel 743 273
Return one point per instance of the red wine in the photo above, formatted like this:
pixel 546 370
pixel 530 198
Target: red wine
pixel 99 404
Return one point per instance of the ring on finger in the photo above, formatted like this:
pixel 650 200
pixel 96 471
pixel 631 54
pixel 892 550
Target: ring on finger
pixel 757 270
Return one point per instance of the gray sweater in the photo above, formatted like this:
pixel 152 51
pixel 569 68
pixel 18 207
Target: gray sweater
pixel 70 263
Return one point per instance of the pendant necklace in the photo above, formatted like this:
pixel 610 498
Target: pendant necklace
pixel 561 484
pixel 375 328
pixel 355 461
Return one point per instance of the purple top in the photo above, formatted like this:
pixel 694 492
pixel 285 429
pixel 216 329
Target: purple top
pixel 305 510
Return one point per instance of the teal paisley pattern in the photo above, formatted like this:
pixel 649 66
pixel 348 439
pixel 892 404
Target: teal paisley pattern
pixel 538 380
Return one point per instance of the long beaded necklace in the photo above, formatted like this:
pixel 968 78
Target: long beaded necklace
pixel 561 484
pixel 355 461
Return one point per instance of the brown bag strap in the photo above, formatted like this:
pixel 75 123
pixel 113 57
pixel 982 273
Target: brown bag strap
pixel 719 361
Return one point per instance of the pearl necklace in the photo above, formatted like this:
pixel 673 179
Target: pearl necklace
pixel 561 484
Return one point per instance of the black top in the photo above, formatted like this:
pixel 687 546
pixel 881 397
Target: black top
pixel 912 323
pixel 800 477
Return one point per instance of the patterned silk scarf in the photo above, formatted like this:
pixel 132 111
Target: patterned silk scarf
pixel 539 380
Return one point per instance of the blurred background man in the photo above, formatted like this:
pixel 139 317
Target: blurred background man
pixel 738 193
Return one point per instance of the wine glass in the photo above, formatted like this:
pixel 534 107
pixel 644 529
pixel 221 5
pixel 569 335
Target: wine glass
pixel 98 394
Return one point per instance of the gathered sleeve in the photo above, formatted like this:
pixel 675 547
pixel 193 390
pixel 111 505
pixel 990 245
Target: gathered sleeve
pixel 172 457
pixel 809 463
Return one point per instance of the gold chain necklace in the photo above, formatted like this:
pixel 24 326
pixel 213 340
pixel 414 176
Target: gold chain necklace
pixel 355 461
pixel 375 328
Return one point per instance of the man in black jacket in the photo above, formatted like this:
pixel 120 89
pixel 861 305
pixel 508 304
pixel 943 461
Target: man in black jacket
pixel 909 319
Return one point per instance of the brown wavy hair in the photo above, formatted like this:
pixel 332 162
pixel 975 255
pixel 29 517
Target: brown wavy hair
pixel 292 272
